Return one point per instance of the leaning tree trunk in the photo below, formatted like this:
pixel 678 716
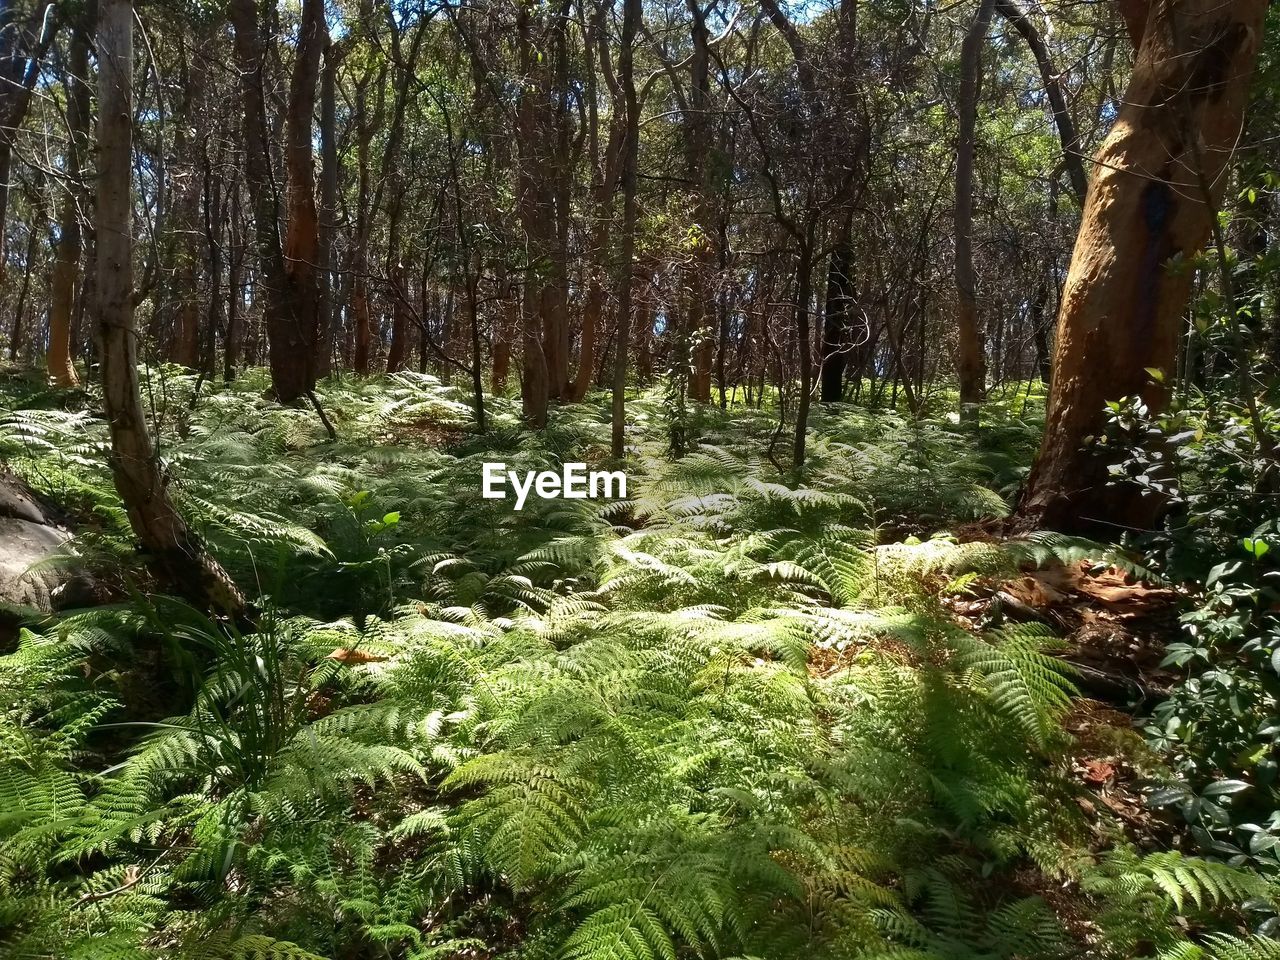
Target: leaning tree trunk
pixel 1054 89
pixel 1121 304
pixel 174 551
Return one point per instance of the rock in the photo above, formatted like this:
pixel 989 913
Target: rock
pixel 22 544
pixel 19 502
pixel 30 532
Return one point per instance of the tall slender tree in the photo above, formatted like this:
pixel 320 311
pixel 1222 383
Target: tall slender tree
pixel 631 15
pixel 173 550
pixel 24 42
pixel 66 266
pixel 971 359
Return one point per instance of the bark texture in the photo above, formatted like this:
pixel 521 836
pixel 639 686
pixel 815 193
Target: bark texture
pixel 1124 293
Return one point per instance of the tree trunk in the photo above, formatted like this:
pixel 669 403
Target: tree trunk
pixel 631 13
pixel 365 126
pixel 1121 305
pixel 66 265
pixel 592 311
pixel 536 212
pixel 606 157
pixel 183 299
pixel 302 238
pixel 644 340
pixel 216 211
pixel 287 292
pixel 174 551
pixel 804 351
pixel 328 208
pixel 835 320
pixel 1052 79
pixel 1040 331
pixel 360 317
pixel 505 324
pixel 231 347
pixel 473 315
pixel 399 348
pixel 700 331
pixel 971 359
pixel 555 181
pixel 20 310
pixel 22 50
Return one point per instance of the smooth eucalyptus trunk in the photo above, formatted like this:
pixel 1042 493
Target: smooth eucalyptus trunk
pixel 1122 304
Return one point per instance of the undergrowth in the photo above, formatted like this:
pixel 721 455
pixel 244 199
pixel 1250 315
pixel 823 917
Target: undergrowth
pixel 725 717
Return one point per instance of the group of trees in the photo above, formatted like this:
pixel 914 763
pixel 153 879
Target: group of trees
pixel 761 204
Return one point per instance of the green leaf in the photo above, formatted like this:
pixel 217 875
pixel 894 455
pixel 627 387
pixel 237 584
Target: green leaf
pixel 1255 547
pixel 1225 788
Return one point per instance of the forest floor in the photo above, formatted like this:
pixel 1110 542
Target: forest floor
pixel 734 713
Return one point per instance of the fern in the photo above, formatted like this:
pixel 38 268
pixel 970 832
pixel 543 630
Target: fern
pixel 722 718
